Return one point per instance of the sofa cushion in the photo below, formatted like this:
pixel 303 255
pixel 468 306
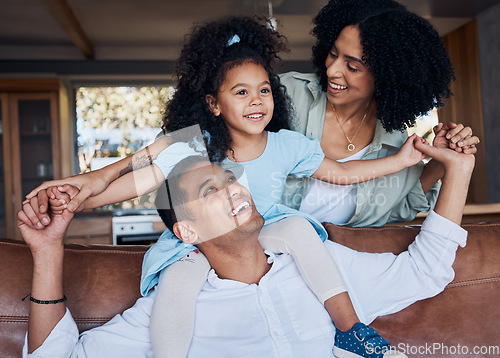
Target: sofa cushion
pixel 464 316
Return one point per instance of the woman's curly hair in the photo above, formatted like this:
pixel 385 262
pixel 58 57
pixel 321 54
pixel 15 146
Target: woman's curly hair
pixel 406 56
pixel 202 67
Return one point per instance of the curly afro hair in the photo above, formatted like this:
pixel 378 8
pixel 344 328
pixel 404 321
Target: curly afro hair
pixel 201 69
pixel 406 56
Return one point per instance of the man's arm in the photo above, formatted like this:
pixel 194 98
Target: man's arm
pixel 125 335
pixel 381 284
pixel 51 330
pixel 48 251
pixel 447 135
pixel 458 169
pixel 384 283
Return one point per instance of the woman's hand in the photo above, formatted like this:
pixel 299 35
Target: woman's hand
pixel 456 137
pixel 88 184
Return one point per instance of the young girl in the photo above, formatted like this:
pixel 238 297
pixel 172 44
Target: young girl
pixel 228 88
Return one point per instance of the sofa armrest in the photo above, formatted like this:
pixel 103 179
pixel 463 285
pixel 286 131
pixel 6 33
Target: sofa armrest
pixel 100 281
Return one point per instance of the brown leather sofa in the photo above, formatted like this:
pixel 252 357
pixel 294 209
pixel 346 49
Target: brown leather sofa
pixel 101 281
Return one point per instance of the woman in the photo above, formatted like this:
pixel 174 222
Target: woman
pixel 378 67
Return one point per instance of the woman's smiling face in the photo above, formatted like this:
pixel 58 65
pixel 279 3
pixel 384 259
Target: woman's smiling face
pixel 349 78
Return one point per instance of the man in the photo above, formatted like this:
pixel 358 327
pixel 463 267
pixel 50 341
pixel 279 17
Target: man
pixel 254 304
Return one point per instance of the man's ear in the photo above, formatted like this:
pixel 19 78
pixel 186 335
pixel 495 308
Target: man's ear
pixel 212 104
pixel 184 231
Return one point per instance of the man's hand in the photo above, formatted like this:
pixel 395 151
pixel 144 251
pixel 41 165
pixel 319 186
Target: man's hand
pixel 48 201
pixel 458 169
pixel 88 184
pixel 449 158
pixel 50 237
pixel 448 136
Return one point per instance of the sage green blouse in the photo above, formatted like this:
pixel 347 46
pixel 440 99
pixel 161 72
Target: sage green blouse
pixel 394 198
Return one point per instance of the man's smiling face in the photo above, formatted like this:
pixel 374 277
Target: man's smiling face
pixel 217 203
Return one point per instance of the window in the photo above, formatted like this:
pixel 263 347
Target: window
pixel 113 123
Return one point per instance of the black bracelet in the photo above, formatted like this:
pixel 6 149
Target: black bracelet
pixel 49 302
pixel 45 302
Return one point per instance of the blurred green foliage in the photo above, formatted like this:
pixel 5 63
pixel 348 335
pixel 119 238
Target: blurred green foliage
pixel 107 113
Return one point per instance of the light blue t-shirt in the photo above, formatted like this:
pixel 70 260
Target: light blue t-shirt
pixel 286 153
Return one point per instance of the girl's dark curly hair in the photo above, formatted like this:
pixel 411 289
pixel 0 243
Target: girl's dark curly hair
pixel 409 63
pixel 202 67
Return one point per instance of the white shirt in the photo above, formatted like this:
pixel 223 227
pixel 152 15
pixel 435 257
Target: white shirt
pixel 279 317
pixel 331 203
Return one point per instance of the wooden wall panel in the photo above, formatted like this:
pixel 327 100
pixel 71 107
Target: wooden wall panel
pixel 465 106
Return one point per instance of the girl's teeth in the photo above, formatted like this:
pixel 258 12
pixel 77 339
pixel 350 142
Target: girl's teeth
pixel 255 116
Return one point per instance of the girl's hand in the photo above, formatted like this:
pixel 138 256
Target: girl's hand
pixel 53 199
pixel 59 197
pixel 456 137
pixel 88 184
pixel 408 154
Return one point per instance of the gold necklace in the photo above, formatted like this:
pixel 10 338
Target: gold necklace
pixel 350 146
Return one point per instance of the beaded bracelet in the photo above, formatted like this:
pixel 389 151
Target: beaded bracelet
pixel 45 302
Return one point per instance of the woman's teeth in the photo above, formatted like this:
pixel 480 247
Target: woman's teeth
pixel 337 87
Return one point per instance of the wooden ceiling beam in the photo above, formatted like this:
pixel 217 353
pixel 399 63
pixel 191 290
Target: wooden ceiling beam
pixel 63 14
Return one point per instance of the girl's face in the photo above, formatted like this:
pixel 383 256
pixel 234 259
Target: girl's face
pixel 244 100
pixel 349 78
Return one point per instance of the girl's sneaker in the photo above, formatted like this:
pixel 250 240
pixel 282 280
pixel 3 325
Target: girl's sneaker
pixel 363 341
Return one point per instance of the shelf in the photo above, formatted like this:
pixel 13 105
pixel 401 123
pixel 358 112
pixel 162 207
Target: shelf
pixel 35 134
pixel 36 123
pixel 38 178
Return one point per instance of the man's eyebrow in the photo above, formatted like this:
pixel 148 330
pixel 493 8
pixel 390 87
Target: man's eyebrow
pixel 202 185
pixel 209 180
